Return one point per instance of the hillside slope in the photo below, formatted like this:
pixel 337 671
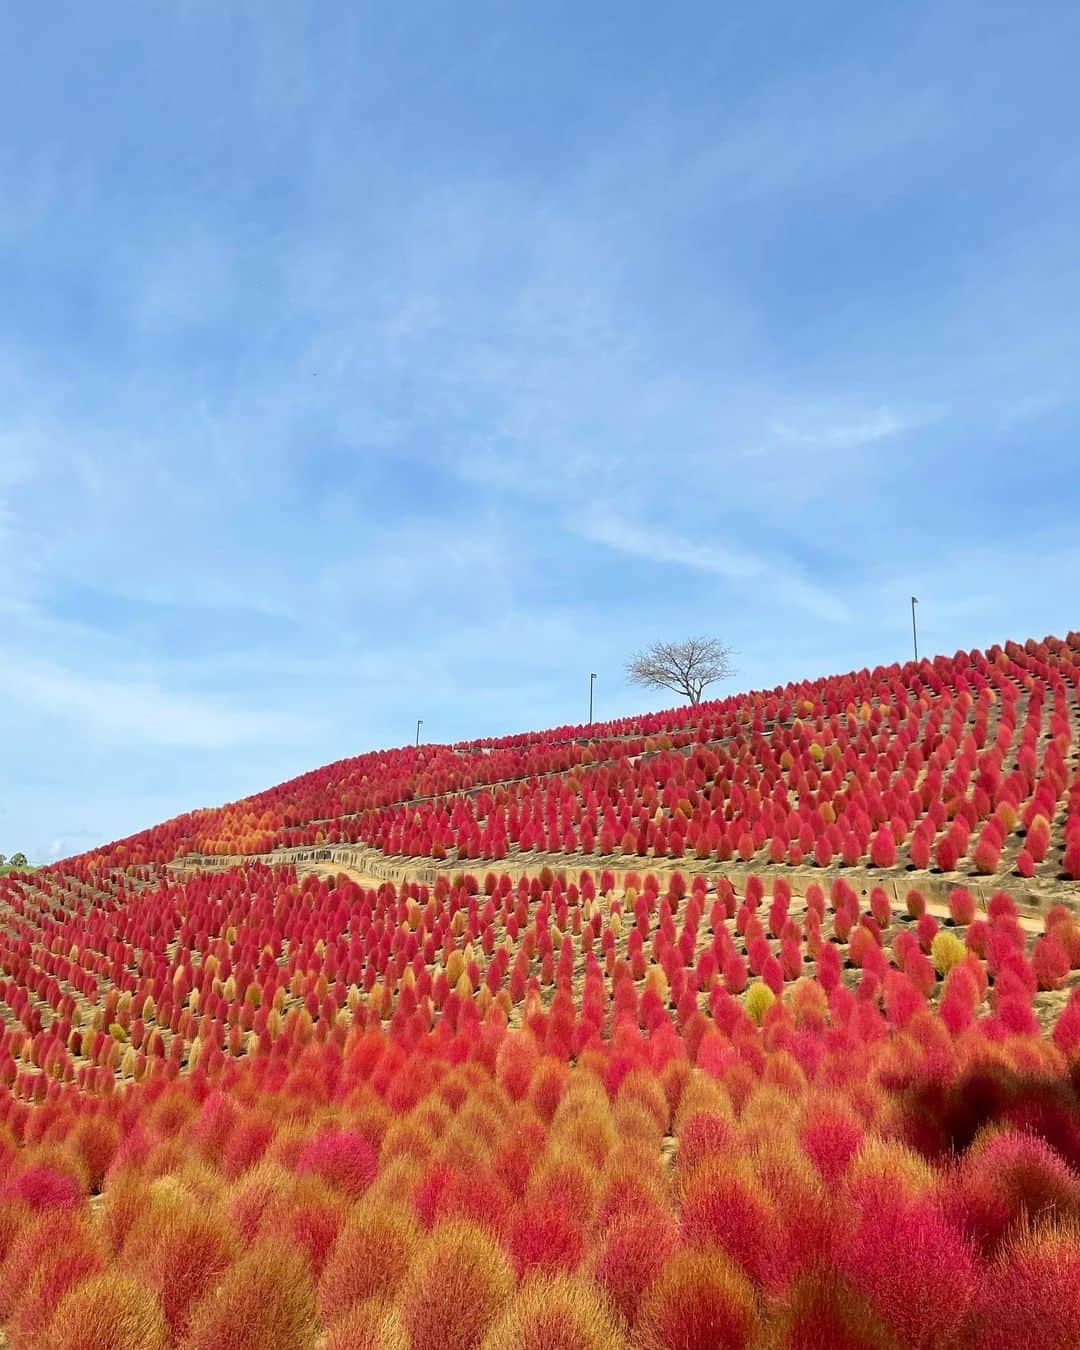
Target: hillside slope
pixel 964 764
pixel 754 1023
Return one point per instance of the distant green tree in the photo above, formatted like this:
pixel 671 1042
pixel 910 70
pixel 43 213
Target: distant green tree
pixel 3 860
pixel 18 860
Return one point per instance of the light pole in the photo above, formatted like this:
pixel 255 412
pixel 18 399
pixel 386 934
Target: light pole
pixel 914 632
pixel 419 724
pixel 592 681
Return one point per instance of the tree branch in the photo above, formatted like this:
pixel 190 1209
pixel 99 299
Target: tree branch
pixel 686 668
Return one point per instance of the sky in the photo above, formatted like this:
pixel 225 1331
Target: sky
pixel 365 363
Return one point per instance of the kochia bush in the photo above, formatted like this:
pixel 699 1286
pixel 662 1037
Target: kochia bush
pixel 108 1311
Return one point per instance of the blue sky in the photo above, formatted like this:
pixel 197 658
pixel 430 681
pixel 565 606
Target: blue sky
pixel 364 363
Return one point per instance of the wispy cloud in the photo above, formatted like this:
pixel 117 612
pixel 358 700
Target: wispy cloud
pixel 637 540
pixel 140 710
pixel 767 575
pixel 798 135
pixel 838 428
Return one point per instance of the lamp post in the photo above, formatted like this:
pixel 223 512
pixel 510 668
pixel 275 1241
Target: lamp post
pixel 914 631
pixel 419 724
pixel 592 681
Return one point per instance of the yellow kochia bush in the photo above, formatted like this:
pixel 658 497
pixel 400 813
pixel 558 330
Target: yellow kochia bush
pixel 946 951
pixel 759 999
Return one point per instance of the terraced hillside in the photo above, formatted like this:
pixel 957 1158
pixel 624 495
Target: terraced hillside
pixel 747 1024
pixel 960 766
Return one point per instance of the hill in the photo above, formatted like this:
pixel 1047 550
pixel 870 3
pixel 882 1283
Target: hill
pixel 964 764
pixel 749 1022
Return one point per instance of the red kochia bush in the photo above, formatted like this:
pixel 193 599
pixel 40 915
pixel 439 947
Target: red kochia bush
pixel 987 856
pixel 632 1254
pixel 369 1258
pixel 825 1311
pixel 31 1249
pixel 946 855
pixel 722 1204
pixel 178 1251
pixel 96 1139
pixel 880 906
pixel 915 904
pixel 927 930
pixel 961 906
pixel 464 1190
pixel 1050 962
pixel 702 1133
pixel 960 999
pixel 215 1124
pixel 1005 1182
pixel 883 848
pixel 516 1061
pixel 372 1325
pixel 43 1188
pixel 342 1158
pixel 544 1237
pixel 920 850
pixel 914 1267
pixel 700 1300
pixel 308 1218
pixel 735 975
pixel 247 1143
pixel 16 1217
pixel 458 1282
pixel 1031 1294
pixel 59 1267
pixel 831 1138
pixel 1067 1030
pixel 265 1299
pixel 828 967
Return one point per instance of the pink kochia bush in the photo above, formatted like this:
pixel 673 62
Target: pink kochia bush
pixel 917 1271
pixel 1034 1283
pixel 961 905
pixel 342 1158
pixel 42 1188
pixel 831 1138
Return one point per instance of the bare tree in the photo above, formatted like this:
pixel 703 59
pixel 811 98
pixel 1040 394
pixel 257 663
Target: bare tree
pixel 685 668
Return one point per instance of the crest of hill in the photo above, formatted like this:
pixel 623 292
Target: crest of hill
pixel 962 762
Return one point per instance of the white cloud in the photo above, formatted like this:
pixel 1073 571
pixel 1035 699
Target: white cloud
pixel 638 541
pixel 774 575
pixel 837 428
pixel 140 710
